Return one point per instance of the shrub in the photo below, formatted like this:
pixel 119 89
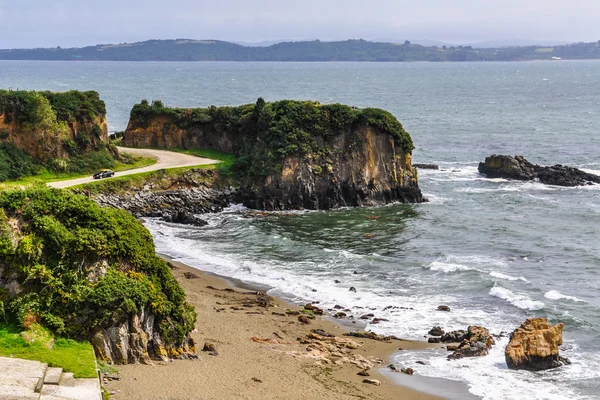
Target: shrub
pixel 64 237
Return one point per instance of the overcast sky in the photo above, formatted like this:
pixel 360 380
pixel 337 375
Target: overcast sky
pixel 66 23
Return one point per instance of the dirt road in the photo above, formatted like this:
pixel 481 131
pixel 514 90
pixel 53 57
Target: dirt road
pixel 166 159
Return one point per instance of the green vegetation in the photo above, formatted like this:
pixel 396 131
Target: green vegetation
pixel 349 50
pixel 81 267
pixel 32 107
pixel 37 343
pixel 263 134
pixel 56 132
pixel 15 163
pixel 43 175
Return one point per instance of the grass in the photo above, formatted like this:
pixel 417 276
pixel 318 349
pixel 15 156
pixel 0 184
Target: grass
pixel 38 344
pixel 46 176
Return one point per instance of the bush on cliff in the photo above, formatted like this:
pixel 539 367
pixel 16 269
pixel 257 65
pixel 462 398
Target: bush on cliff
pixel 266 133
pixel 76 267
pixel 15 163
pixel 50 118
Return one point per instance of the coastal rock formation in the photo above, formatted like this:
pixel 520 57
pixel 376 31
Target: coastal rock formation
pixel 534 346
pixel 173 198
pixel 137 340
pixel 89 273
pixel 500 166
pixel 293 154
pixel 426 166
pixel 50 126
pixel 477 342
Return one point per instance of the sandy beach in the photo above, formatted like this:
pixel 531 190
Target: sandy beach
pixel 263 353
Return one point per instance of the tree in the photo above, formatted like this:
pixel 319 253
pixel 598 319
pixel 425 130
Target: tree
pixel 407 42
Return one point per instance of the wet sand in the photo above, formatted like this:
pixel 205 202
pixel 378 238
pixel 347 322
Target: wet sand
pixel 260 356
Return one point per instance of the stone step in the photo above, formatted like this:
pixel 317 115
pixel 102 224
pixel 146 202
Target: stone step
pixel 53 376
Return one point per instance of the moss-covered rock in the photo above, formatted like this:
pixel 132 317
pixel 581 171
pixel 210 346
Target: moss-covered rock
pixel 89 272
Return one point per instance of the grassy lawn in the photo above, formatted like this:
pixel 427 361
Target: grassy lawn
pixel 38 344
pixel 226 159
pixel 50 176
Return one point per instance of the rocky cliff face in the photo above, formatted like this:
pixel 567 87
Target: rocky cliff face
pixel 52 125
pixel 293 155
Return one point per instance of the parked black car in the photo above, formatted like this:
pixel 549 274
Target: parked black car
pixel 105 173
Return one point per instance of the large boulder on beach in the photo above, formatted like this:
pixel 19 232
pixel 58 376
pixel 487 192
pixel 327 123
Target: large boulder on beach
pixel 477 342
pixel 501 166
pixel 534 346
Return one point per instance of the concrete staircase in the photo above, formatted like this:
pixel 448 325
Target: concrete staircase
pixel 25 380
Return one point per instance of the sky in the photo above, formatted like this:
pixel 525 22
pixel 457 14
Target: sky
pixel 75 23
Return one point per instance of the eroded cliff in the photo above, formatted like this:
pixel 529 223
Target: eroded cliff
pixel 90 273
pixel 293 154
pixel 53 126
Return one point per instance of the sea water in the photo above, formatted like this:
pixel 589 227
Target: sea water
pixel 495 251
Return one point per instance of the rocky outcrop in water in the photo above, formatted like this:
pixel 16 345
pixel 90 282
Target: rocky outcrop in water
pixel 477 342
pixel 426 166
pixel 293 154
pixel 534 346
pixel 500 166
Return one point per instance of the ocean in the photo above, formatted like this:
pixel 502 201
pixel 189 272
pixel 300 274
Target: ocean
pixel 495 251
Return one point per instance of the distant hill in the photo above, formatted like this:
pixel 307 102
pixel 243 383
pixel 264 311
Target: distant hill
pixel 349 50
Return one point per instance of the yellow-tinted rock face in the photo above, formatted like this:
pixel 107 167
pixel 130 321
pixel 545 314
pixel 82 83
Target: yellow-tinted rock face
pixel 534 346
pixel 51 125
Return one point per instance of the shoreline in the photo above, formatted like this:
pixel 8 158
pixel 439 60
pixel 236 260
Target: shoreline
pixel 263 353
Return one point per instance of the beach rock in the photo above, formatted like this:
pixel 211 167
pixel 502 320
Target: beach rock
pixel 314 309
pixel 184 217
pixel 190 275
pixel 454 336
pixel 534 346
pixel 476 343
pixel 363 372
pixel 433 340
pixel 367 316
pixel 392 367
pixel 372 336
pixel 378 320
pixel 407 371
pixel 338 307
pixel 321 332
pixel 443 308
pixel 436 331
pixel 303 319
pixel 501 166
pixel 426 166
pixel 352 288
pixel 209 347
pixel 339 315
pixel 372 382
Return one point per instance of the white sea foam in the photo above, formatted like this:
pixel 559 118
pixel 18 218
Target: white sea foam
pixel 519 300
pixel 500 275
pixel 556 295
pixel 448 267
pixel 489 377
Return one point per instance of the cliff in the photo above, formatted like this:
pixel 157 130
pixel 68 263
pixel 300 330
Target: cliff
pixel 53 126
pixel 293 154
pixel 89 273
